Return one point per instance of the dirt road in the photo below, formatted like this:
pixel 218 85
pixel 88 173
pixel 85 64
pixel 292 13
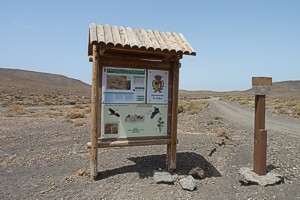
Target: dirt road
pixel 244 115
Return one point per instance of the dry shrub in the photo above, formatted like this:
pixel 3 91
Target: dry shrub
pixel 72 102
pixel 243 102
pixel 180 109
pixel 54 114
pixel 5 103
pixel 296 110
pixel 248 102
pixel 36 115
pixel 10 115
pixel 4 162
pixel 80 106
pixel 195 107
pixel 217 118
pixel 80 172
pixel 284 111
pixel 275 102
pixel 279 106
pixel 17 110
pixel 52 108
pixel 78 122
pixel 87 111
pixel 221 132
pixel 75 115
pixel 50 112
pixel 182 106
pixel 291 103
pixel 209 123
pixel 225 97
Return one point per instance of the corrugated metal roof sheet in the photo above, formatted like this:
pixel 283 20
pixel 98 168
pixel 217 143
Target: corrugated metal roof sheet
pixel 139 39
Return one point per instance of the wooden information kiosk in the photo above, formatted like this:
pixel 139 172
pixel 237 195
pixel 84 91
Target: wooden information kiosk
pixel 135 78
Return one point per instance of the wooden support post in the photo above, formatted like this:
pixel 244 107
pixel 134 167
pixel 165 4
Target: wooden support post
pixel 260 136
pixel 260 162
pixel 170 98
pixel 95 128
pixel 171 149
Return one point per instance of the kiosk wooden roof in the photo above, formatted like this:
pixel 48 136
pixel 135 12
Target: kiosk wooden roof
pixel 138 40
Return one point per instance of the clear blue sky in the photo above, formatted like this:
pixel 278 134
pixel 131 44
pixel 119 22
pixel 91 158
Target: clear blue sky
pixel 234 40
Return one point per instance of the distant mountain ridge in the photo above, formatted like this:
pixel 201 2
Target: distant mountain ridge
pixel 286 86
pixel 282 89
pixel 16 80
pixel 286 89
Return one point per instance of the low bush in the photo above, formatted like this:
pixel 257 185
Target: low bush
pixel 296 110
pixel 195 107
pixel 17 109
pixel 284 111
pixel 221 132
pixel 75 115
pixel 217 118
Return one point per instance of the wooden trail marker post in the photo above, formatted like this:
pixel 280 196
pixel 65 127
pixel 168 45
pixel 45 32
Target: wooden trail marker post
pixel 135 84
pixel 261 86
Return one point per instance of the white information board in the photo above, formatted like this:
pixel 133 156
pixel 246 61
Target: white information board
pixel 157 89
pixel 133 120
pixel 123 85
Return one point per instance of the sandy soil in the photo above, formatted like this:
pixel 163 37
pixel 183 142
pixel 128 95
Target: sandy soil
pixel 47 158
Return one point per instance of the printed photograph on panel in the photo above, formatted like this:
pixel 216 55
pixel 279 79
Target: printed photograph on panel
pixel 111 128
pixel 118 82
pixel 135 118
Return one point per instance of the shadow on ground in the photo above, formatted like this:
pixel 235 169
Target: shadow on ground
pixel 146 165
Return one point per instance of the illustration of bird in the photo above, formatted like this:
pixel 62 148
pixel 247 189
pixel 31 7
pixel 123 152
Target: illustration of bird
pixel 155 112
pixel 160 124
pixel 113 112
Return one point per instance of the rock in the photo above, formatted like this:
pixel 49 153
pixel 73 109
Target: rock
pixel 163 177
pixel 188 183
pixel 251 177
pixel 175 177
pixel 197 173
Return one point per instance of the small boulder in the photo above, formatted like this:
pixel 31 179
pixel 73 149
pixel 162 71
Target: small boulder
pixel 251 177
pixel 163 177
pixel 188 183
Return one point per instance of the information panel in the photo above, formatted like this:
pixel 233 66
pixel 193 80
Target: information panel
pixel 122 85
pixel 158 83
pixel 133 120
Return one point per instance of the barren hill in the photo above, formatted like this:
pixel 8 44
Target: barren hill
pixel 286 87
pixel 21 81
pixel 283 89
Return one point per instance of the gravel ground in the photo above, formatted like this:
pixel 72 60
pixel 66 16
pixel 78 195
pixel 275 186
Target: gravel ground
pixel 47 158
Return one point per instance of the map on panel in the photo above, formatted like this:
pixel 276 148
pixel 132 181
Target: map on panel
pixel 122 85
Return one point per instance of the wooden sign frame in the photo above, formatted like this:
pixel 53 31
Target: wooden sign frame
pixel 110 57
pixel 261 85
